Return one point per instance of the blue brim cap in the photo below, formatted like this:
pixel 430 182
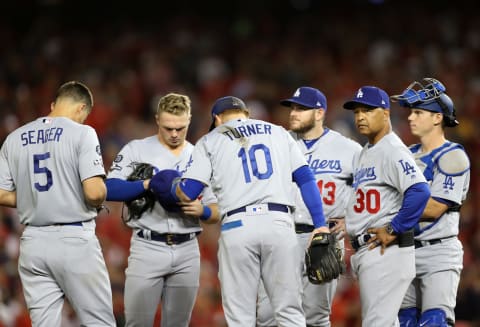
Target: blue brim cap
pixel 226 103
pixel 370 96
pixel 308 97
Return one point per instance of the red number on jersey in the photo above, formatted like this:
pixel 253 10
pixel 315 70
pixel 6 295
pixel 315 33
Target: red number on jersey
pixel 369 201
pixel 327 191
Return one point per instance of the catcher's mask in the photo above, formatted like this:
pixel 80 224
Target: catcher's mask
pixel 429 94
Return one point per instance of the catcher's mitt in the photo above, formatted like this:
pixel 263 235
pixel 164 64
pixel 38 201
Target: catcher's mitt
pixel 161 185
pixel 323 259
pixel 146 201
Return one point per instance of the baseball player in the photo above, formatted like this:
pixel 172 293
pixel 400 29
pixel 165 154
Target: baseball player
pixel 389 196
pixel 250 165
pixel 51 169
pixel 164 261
pixel 431 298
pixel 333 173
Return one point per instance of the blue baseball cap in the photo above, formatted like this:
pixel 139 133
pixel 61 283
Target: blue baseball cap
pixel 226 103
pixel 308 97
pixel 371 96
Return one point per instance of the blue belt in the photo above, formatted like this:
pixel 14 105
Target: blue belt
pixel 168 238
pixel 271 207
pixel 306 228
pixel 75 223
pixel 420 244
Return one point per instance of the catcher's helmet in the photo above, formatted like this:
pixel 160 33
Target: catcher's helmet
pixel 428 95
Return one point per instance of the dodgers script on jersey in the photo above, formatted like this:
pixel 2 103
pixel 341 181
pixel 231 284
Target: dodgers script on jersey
pixel 379 176
pixel 332 169
pixel 447 170
pixel 151 151
pixel 256 172
pixel 46 174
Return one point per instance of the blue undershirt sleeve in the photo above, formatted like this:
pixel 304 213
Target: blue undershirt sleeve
pixel 305 180
pixel 121 190
pixel 191 187
pixel 414 202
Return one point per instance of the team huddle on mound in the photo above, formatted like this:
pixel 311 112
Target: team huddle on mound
pixel 286 202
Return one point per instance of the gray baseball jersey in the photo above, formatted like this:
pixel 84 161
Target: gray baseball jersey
pixel 330 160
pixel 438 265
pixel 334 175
pixel 447 170
pixel 30 165
pixel 158 271
pixel 382 173
pixel 249 164
pixel 45 162
pixel 151 151
pixel 256 175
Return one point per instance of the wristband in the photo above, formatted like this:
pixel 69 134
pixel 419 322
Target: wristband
pixel 207 213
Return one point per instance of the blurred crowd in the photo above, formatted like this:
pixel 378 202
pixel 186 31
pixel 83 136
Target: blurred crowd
pixel 254 53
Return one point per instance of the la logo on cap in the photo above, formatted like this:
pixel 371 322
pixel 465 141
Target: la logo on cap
pixel 359 93
pixel 297 93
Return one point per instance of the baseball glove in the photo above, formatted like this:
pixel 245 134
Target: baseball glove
pixel 146 201
pixel 323 259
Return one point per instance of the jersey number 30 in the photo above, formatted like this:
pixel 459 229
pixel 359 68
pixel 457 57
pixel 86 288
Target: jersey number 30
pixel 369 201
pixel 37 159
pixel 251 157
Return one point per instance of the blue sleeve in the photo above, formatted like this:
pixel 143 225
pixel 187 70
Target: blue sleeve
pixel 305 180
pixel 121 190
pixel 191 187
pixel 414 202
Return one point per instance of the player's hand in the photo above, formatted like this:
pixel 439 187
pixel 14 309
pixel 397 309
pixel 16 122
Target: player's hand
pixel 192 209
pixel 323 229
pixel 337 226
pixel 380 238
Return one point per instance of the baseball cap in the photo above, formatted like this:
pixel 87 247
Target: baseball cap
pixel 226 103
pixel 371 96
pixel 308 97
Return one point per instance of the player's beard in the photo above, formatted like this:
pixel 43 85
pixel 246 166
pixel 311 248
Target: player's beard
pixel 299 127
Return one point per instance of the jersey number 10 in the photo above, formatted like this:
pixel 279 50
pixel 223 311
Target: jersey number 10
pixel 251 157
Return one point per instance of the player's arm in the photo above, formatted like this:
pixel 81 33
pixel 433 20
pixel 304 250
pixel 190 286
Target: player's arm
pixel 414 202
pixel 453 164
pixel 207 214
pixel 305 180
pixel 94 190
pixel 8 198
pixel 122 190
pixel 435 209
pixel 187 189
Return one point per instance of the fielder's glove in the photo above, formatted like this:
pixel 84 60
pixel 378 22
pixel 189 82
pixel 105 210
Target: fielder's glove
pixel 323 259
pixel 161 186
pixel 146 201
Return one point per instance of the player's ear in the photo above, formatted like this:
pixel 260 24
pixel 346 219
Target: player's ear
pixel 386 114
pixel 218 120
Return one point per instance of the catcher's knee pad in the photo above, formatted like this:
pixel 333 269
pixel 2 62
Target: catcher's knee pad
pixel 433 318
pixel 408 317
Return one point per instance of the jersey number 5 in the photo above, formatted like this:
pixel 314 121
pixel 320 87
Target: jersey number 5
pixel 37 159
pixel 251 157
pixel 369 201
